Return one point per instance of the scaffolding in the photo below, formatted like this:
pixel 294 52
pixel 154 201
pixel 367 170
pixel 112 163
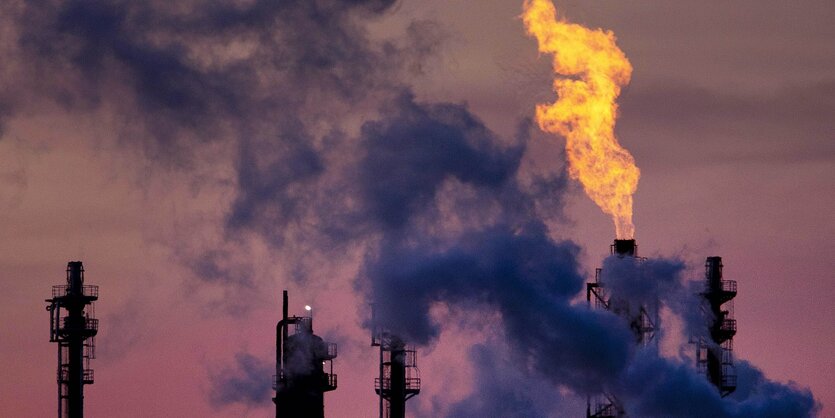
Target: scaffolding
pixel 72 324
pixel 399 378
pixel 642 322
pixel 714 354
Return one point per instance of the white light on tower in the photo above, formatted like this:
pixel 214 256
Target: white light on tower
pixel 307 308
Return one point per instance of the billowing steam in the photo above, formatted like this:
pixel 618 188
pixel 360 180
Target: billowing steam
pixel 433 206
pixel 593 69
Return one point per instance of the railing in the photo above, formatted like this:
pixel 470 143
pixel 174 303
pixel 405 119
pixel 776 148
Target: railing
pixel 86 290
pixel 729 286
pixel 412 384
pixel 64 376
pixel 604 411
pixel 728 325
pixel 330 380
pixel 332 351
pixel 90 324
pixel 728 381
pixel 88 376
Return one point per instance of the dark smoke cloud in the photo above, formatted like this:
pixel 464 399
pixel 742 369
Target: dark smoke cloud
pixel 506 262
pixel 415 147
pixel 648 282
pixel 193 71
pixel 642 281
pixel 247 383
pixel 521 273
pixel 447 209
pixel 759 396
pixel 271 80
pixel 504 389
pixel 654 386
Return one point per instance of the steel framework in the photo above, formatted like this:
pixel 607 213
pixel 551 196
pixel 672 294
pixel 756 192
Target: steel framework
pixel 642 320
pixel 399 378
pixel 75 334
pixel 302 359
pixel 714 355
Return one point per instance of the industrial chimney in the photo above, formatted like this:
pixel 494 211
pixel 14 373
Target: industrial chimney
pixel 399 378
pixel 714 357
pixel 302 359
pixel 642 320
pixel 74 330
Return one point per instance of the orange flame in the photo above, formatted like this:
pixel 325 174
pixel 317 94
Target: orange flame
pixel 594 71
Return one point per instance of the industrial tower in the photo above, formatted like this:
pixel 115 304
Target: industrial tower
pixel 75 334
pixel 399 378
pixel 642 320
pixel 302 357
pixel 714 356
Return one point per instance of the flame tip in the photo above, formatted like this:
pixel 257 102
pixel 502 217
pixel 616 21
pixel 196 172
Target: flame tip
pixel 593 70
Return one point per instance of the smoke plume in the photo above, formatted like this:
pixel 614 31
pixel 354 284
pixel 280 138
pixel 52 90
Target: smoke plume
pixel 246 383
pixel 439 208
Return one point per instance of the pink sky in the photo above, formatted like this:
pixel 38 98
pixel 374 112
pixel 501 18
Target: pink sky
pixel 729 117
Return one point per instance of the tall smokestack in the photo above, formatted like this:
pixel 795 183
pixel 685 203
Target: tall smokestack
pixel 399 378
pixel 715 357
pixel 624 247
pixel 75 334
pixel 641 319
pixel 304 367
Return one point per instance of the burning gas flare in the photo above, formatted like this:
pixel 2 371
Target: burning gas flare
pixel 594 69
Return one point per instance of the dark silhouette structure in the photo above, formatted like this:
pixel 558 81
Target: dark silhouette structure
pixel 399 377
pixel 642 320
pixel 72 324
pixel 714 357
pixel 302 357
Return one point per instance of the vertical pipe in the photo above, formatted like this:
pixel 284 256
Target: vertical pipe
pixel 284 314
pixel 397 400
pixel 75 325
pixel 280 354
pixel 75 399
pixel 714 351
pixel 382 382
pixel 60 385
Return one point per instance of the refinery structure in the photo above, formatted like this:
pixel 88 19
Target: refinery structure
pixel 399 378
pixel 714 355
pixel 714 351
pixel 304 369
pixel 641 319
pixel 72 324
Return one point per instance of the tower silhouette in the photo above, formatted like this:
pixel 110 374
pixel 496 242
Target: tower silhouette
pixel 72 324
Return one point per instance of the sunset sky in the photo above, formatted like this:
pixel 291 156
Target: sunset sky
pixel 200 158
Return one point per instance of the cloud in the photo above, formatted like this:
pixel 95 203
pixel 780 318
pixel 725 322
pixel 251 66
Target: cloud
pixel 414 148
pixel 441 209
pixel 247 383
pixel 654 386
pixel 503 388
